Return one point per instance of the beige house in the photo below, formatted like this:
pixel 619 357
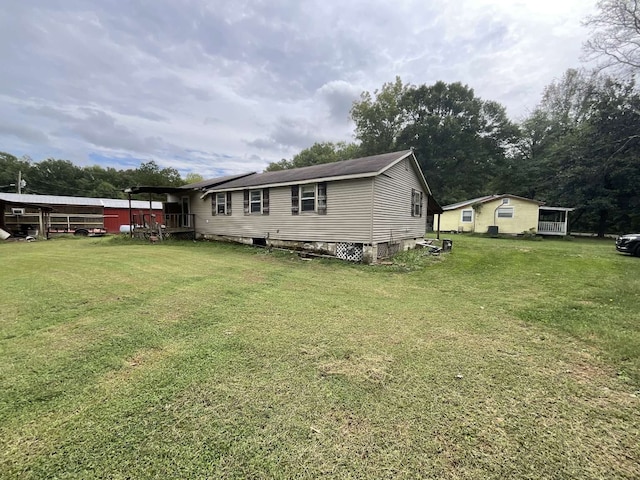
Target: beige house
pixel 507 214
pixel 360 209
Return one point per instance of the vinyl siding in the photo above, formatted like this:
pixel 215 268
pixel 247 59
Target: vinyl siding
pixel 392 204
pixel 348 217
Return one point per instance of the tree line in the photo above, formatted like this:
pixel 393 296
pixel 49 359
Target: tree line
pixel 580 146
pixel 61 177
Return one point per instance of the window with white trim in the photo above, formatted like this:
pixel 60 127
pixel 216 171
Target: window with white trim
pixel 308 198
pixel 416 203
pixel 467 216
pixel 505 212
pixel 221 203
pixel 255 201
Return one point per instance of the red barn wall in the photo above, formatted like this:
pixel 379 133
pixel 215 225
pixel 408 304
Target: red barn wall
pixel 114 217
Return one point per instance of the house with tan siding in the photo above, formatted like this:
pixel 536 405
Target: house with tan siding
pixel 508 214
pixel 362 209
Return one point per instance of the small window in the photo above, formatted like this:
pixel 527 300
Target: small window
pixel 416 203
pixel 255 201
pixel 505 201
pixel 221 204
pixel 467 216
pixel 308 198
pixel 505 212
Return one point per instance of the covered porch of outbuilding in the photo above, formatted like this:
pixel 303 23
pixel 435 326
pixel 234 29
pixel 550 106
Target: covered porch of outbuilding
pixel 553 220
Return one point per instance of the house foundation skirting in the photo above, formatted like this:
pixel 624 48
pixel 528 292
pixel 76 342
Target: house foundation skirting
pixel 350 251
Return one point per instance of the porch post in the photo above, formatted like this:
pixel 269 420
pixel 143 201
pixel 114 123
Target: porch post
pixel 566 222
pixel 41 223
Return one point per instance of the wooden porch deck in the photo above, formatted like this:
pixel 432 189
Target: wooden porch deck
pixel 175 225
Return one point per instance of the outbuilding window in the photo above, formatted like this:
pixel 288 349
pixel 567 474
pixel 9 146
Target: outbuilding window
pixel 467 216
pixel 505 212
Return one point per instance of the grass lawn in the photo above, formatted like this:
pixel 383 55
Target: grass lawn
pixel 504 359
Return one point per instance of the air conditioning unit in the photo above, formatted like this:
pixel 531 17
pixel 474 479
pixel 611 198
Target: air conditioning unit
pixel 17 211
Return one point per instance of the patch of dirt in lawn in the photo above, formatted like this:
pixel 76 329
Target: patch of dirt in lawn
pixel 369 368
pixel 251 276
pixel 141 360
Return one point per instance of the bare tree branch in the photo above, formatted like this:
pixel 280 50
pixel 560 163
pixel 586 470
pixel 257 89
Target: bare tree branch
pixel 615 35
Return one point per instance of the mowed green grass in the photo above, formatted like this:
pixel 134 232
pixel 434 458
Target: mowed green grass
pixel 504 359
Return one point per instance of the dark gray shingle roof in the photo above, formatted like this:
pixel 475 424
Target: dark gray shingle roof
pixel 357 166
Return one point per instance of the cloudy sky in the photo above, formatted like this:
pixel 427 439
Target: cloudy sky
pixel 215 87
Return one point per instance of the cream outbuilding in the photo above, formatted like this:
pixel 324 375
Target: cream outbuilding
pixel 504 213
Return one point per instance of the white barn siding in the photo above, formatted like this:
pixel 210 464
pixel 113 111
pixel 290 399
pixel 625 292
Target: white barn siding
pixel 392 219
pixel 348 217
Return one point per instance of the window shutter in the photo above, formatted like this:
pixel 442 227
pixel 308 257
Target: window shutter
pixel 228 203
pixel 295 200
pixel 265 201
pixel 322 198
pixel 421 204
pixel 246 202
pixel 413 200
pixel 214 209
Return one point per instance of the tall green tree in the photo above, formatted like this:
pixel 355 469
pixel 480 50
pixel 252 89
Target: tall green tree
pixel 56 177
pixel 460 140
pixel 150 174
pixel 584 150
pixel 193 178
pixel 12 167
pixel 380 118
pixel 323 152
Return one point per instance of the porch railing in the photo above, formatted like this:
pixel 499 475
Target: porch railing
pixel 166 220
pixel 173 225
pixel 557 228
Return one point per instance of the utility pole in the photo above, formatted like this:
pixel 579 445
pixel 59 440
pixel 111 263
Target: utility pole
pixel 21 183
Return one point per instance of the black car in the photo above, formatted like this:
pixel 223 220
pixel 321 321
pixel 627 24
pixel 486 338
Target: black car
pixel 629 243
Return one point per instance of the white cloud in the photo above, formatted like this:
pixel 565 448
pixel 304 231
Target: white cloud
pixel 226 87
